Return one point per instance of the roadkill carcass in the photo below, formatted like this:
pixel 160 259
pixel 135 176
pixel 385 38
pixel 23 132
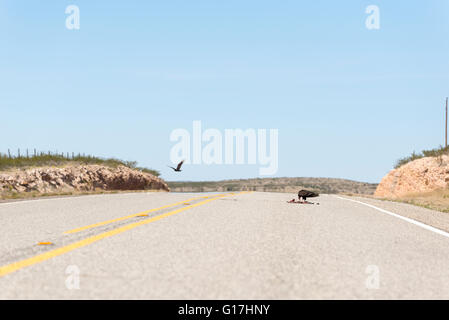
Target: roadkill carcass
pixel 303 195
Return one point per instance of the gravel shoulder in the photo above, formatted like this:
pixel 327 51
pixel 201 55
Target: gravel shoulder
pixel 437 219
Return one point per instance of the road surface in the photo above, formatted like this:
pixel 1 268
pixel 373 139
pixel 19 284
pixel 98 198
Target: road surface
pixel 219 246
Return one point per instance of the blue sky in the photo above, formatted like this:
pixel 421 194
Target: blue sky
pixel 348 101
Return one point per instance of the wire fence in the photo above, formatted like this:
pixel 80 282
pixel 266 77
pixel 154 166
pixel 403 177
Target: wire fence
pixel 30 153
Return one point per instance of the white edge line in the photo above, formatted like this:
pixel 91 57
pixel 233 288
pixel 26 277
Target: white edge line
pixel 416 223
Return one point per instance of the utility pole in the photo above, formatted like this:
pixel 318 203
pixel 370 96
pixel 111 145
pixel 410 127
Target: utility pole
pixel 445 141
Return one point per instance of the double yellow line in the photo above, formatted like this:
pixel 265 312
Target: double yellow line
pixel 4 270
pixel 135 215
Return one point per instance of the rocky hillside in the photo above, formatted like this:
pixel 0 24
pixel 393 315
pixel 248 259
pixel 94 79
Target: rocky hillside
pixel 419 176
pixel 290 185
pixel 78 178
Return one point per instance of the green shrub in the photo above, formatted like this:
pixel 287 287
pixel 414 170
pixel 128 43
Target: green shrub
pixel 425 153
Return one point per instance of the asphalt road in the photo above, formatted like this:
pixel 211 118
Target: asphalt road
pixel 236 246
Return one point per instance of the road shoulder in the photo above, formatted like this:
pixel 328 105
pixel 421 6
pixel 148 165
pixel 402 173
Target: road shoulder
pixel 433 218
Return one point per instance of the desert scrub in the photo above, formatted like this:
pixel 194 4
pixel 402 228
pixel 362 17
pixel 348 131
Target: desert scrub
pixel 438 152
pixel 48 159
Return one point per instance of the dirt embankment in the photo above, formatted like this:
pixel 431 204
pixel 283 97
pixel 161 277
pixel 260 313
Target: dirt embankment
pixel 417 177
pixel 78 178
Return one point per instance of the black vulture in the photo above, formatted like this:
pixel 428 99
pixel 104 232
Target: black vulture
pixel 304 194
pixel 178 168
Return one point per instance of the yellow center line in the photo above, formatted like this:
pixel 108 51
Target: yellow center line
pixel 133 215
pixel 4 270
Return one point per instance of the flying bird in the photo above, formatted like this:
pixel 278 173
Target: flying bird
pixel 178 168
pixel 304 194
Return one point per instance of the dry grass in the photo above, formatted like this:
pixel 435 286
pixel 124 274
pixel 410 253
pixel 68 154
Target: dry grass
pixel 437 152
pixel 436 200
pixel 60 160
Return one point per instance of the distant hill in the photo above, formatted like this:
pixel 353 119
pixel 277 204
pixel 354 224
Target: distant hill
pixel 288 185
